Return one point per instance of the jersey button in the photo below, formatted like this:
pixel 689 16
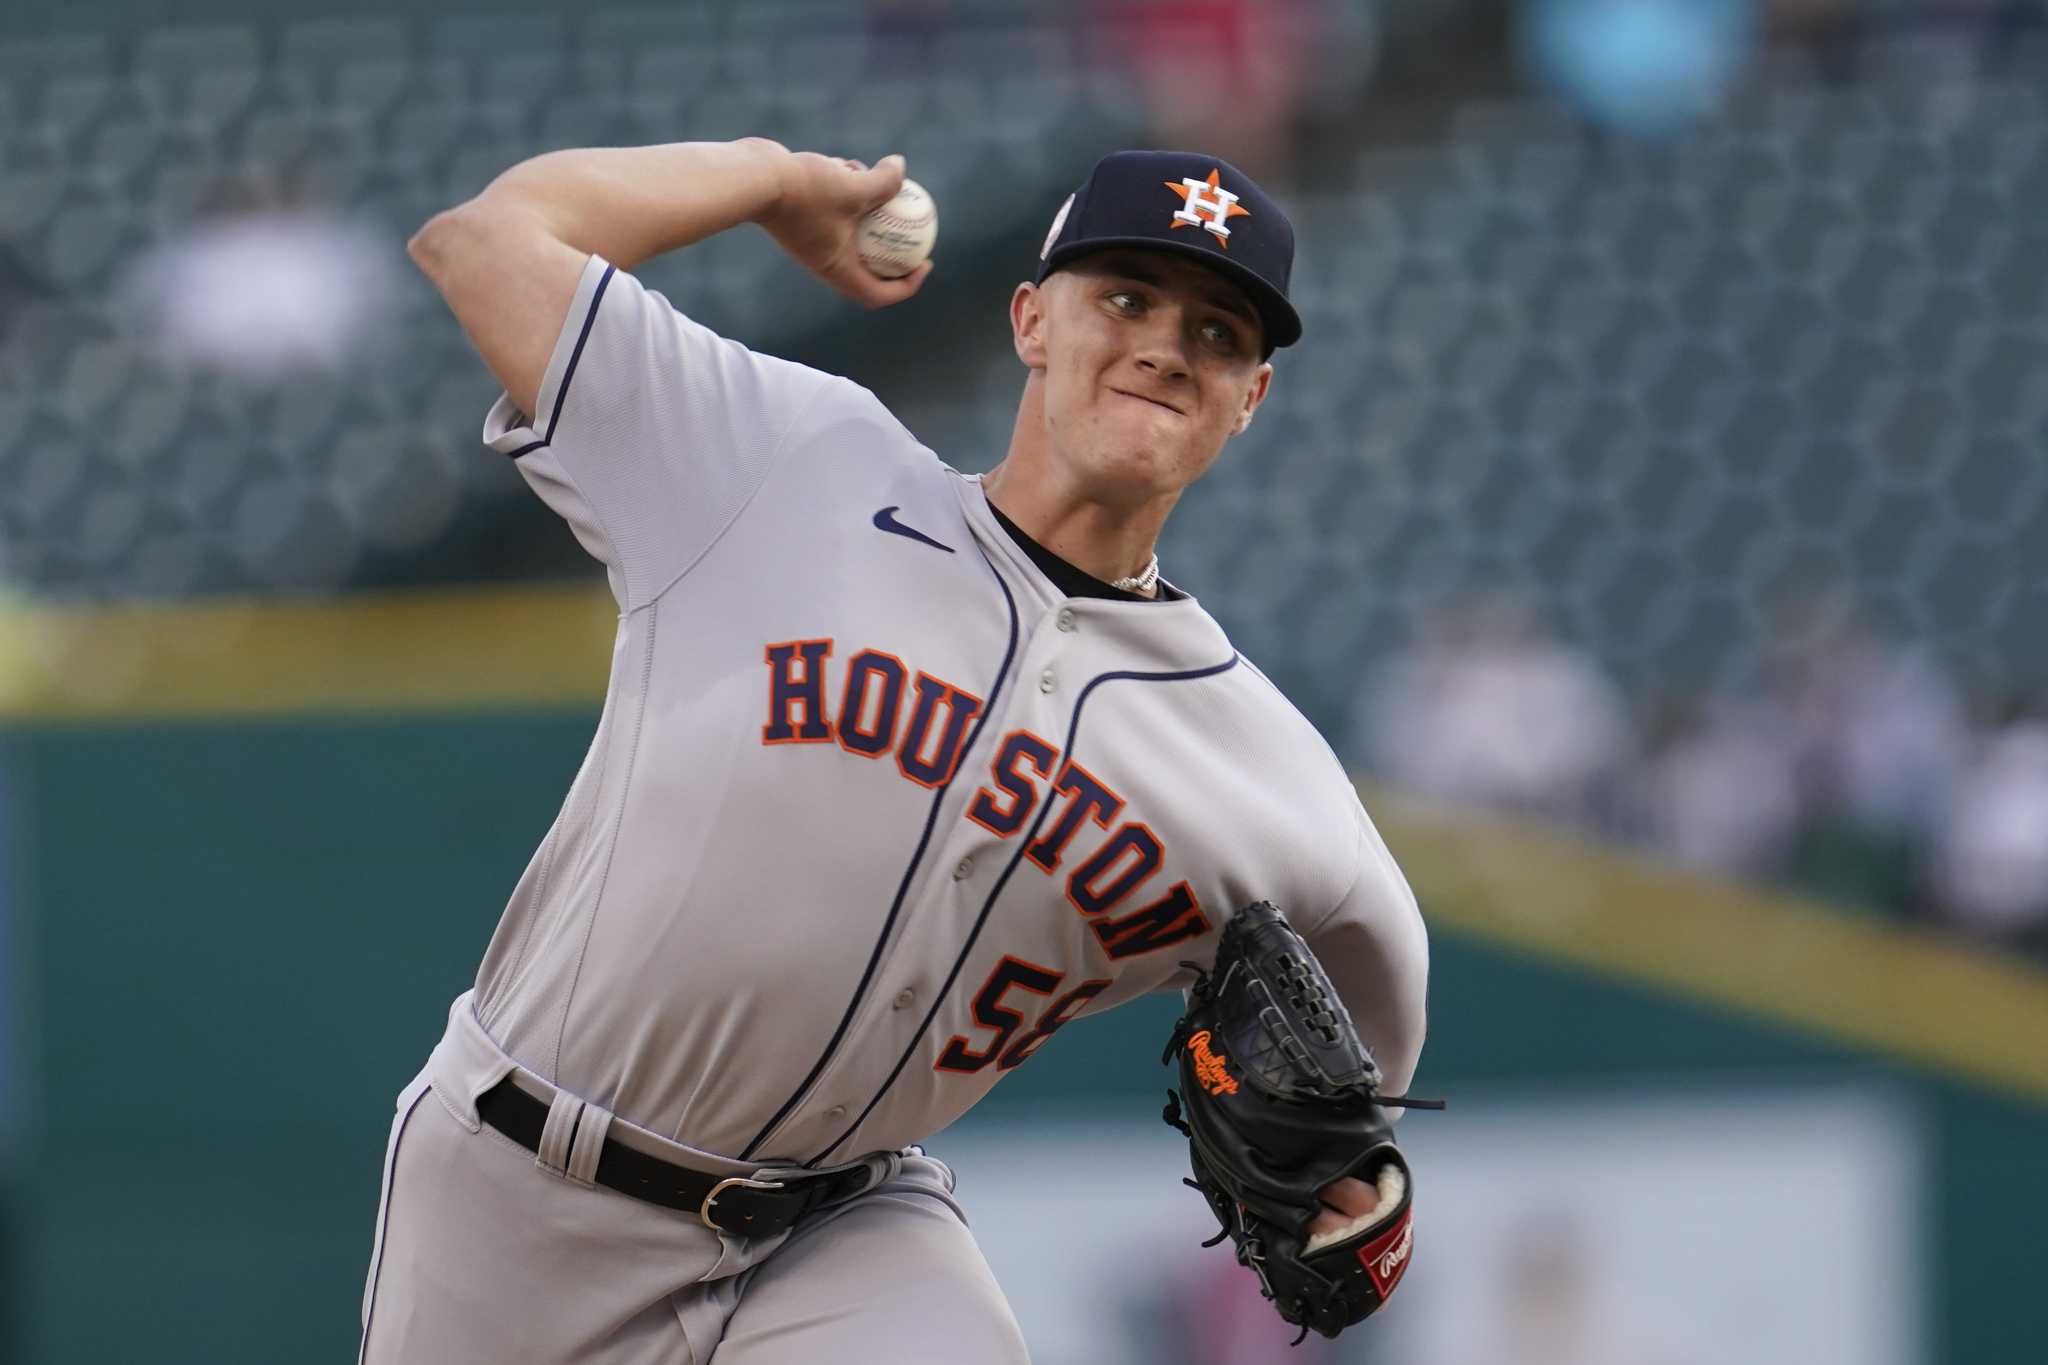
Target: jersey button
pixel 963 869
pixel 1066 619
pixel 836 1112
pixel 1046 681
pixel 904 997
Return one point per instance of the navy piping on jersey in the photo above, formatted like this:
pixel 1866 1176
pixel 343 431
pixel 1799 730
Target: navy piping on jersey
pixel 1045 809
pixel 562 394
pixel 931 821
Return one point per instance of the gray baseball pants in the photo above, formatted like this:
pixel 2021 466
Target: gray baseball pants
pixel 485 1252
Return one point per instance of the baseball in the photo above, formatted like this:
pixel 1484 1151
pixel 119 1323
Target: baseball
pixel 895 239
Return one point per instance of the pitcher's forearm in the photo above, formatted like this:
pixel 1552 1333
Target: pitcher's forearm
pixel 630 204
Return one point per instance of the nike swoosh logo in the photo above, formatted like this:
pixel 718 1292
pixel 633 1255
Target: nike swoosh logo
pixel 885 520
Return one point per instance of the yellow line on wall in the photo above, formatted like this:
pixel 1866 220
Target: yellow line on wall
pixel 1858 980
pixel 1880 985
pixel 448 648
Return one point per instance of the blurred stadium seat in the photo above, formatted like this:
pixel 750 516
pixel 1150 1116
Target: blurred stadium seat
pixel 46 78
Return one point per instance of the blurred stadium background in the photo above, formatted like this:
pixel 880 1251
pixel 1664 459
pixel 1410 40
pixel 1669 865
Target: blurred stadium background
pixel 1656 514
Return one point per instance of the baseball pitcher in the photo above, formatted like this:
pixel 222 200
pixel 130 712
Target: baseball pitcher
pixel 899 772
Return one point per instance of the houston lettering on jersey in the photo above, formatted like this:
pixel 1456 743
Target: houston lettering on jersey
pixel 865 715
pixel 871 703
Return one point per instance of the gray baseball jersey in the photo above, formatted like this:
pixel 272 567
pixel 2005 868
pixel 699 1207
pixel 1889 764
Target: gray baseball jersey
pixel 873 808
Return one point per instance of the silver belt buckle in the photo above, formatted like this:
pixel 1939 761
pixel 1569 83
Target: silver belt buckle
pixel 704 1210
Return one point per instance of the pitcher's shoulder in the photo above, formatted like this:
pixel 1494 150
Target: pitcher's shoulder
pixel 1292 738
pixel 845 423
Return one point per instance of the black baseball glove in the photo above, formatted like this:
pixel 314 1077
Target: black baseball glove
pixel 1281 1099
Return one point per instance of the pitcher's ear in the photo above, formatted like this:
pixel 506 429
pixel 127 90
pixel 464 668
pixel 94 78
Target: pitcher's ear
pixel 1253 397
pixel 1027 324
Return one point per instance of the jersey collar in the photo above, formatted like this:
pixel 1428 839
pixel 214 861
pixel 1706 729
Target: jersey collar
pixel 1172 633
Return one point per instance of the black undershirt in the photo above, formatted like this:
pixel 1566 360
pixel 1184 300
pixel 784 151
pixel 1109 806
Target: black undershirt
pixel 1070 580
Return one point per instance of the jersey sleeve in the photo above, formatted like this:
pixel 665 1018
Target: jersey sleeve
pixel 653 432
pixel 1376 951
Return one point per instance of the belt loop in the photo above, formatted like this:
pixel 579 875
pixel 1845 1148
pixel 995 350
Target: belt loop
pixel 558 1133
pixel 588 1145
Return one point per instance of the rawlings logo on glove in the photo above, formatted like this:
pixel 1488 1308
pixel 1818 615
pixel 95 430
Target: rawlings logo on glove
pixel 1282 1100
pixel 1387 1257
pixel 1210 1072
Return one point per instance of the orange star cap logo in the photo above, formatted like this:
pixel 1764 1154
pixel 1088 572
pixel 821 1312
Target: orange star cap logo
pixel 1206 204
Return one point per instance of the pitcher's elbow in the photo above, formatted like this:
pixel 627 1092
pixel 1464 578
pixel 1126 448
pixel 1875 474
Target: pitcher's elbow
pixel 421 246
pixel 428 247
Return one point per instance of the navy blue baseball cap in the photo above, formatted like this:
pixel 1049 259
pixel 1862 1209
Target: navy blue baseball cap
pixel 1192 204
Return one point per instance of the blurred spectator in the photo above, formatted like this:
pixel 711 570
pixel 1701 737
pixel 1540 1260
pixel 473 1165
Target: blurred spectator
pixel 1883 730
pixel 267 287
pixel 1488 710
pixel 1881 735
pixel 1876 735
pixel 1228 76
pixel 1723 797
pixel 1990 866
pixel 1645 68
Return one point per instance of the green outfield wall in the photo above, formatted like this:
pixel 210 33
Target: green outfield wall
pixel 235 939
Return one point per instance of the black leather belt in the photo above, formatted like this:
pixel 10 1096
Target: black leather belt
pixel 744 1206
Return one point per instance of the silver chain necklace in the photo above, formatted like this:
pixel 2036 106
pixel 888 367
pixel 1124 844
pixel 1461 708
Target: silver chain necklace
pixel 1140 583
